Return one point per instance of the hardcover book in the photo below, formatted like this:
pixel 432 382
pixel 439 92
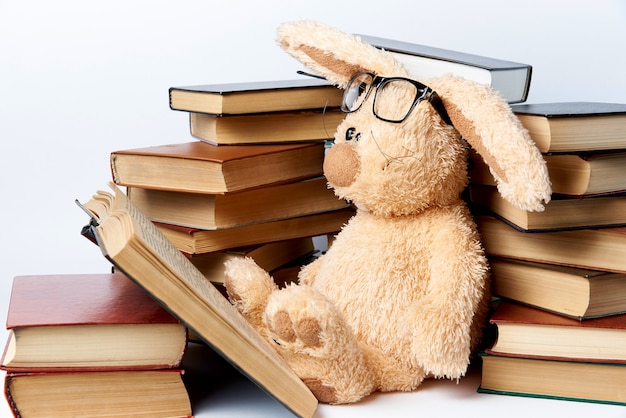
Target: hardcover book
pixel 595 249
pixel 88 321
pixel 574 292
pixel 529 332
pixel 136 247
pixel 256 97
pixel 197 167
pixel 511 79
pixel 265 128
pixel 576 174
pixel 560 213
pixel 564 380
pixel 228 210
pixel 145 393
pixel 268 256
pixel 574 126
pixel 198 241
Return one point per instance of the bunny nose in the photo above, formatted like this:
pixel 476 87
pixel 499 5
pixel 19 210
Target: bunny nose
pixel 341 165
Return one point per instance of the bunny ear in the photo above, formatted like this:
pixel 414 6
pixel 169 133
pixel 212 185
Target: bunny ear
pixel 477 112
pixel 486 121
pixel 334 54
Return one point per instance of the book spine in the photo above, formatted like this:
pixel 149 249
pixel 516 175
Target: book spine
pixel 8 394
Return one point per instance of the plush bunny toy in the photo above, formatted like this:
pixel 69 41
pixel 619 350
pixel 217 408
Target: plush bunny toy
pixel 401 294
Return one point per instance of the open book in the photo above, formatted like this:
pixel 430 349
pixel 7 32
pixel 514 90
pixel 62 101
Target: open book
pixel 134 245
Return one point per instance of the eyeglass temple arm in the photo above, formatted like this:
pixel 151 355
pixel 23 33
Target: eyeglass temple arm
pixel 436 102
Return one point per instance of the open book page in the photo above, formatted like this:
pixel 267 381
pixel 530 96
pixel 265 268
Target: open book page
pixel 150 259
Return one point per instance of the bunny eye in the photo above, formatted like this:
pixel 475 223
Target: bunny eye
pixel 352 134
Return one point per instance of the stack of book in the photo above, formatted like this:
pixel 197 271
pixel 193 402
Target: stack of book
pixel 561 273
pixel 92 345
pixel 250 183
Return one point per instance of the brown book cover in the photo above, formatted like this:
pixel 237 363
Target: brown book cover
pixel 199 167
pixel 87 299
pixel 515 313
pixel 82 321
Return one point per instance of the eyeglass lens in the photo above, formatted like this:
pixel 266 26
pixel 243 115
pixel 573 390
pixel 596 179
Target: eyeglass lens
pixel 395 99
pixel 356 92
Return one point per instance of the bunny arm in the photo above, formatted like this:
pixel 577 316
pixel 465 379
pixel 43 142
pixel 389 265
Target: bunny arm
pixel 443 324
pixel 249 287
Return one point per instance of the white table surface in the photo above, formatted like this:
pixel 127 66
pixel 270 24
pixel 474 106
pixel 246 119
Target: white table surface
pixel 218 390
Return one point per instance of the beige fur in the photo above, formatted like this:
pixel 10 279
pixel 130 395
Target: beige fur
pixel 402 293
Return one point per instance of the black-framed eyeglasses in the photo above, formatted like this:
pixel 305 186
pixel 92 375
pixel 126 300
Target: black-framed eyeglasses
pixel 361 84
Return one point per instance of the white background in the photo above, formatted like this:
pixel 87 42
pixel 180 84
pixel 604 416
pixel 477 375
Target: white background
pixel 81 79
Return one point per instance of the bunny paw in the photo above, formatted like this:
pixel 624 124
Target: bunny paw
pixel 300 319
pixel 312 336
pixel 306 329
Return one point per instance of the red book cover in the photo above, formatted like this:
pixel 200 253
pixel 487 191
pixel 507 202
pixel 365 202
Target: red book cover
pixel 513 313
pixel 88 322
pixel 86 299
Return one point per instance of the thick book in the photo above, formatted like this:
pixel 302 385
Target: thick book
pixel 136 247
pixel 265 128
pixel 530 332
pixel 511 79
pixel 218 211
pixel 552 379
pixel 576 174
pixel 88 321
pixel 560 213
pixel 569 291
pixel 145 393
pixel 197 167
pixel 256 97
pixel 574 126
pixel 268 256
pixel 594 249
pixel 198 241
